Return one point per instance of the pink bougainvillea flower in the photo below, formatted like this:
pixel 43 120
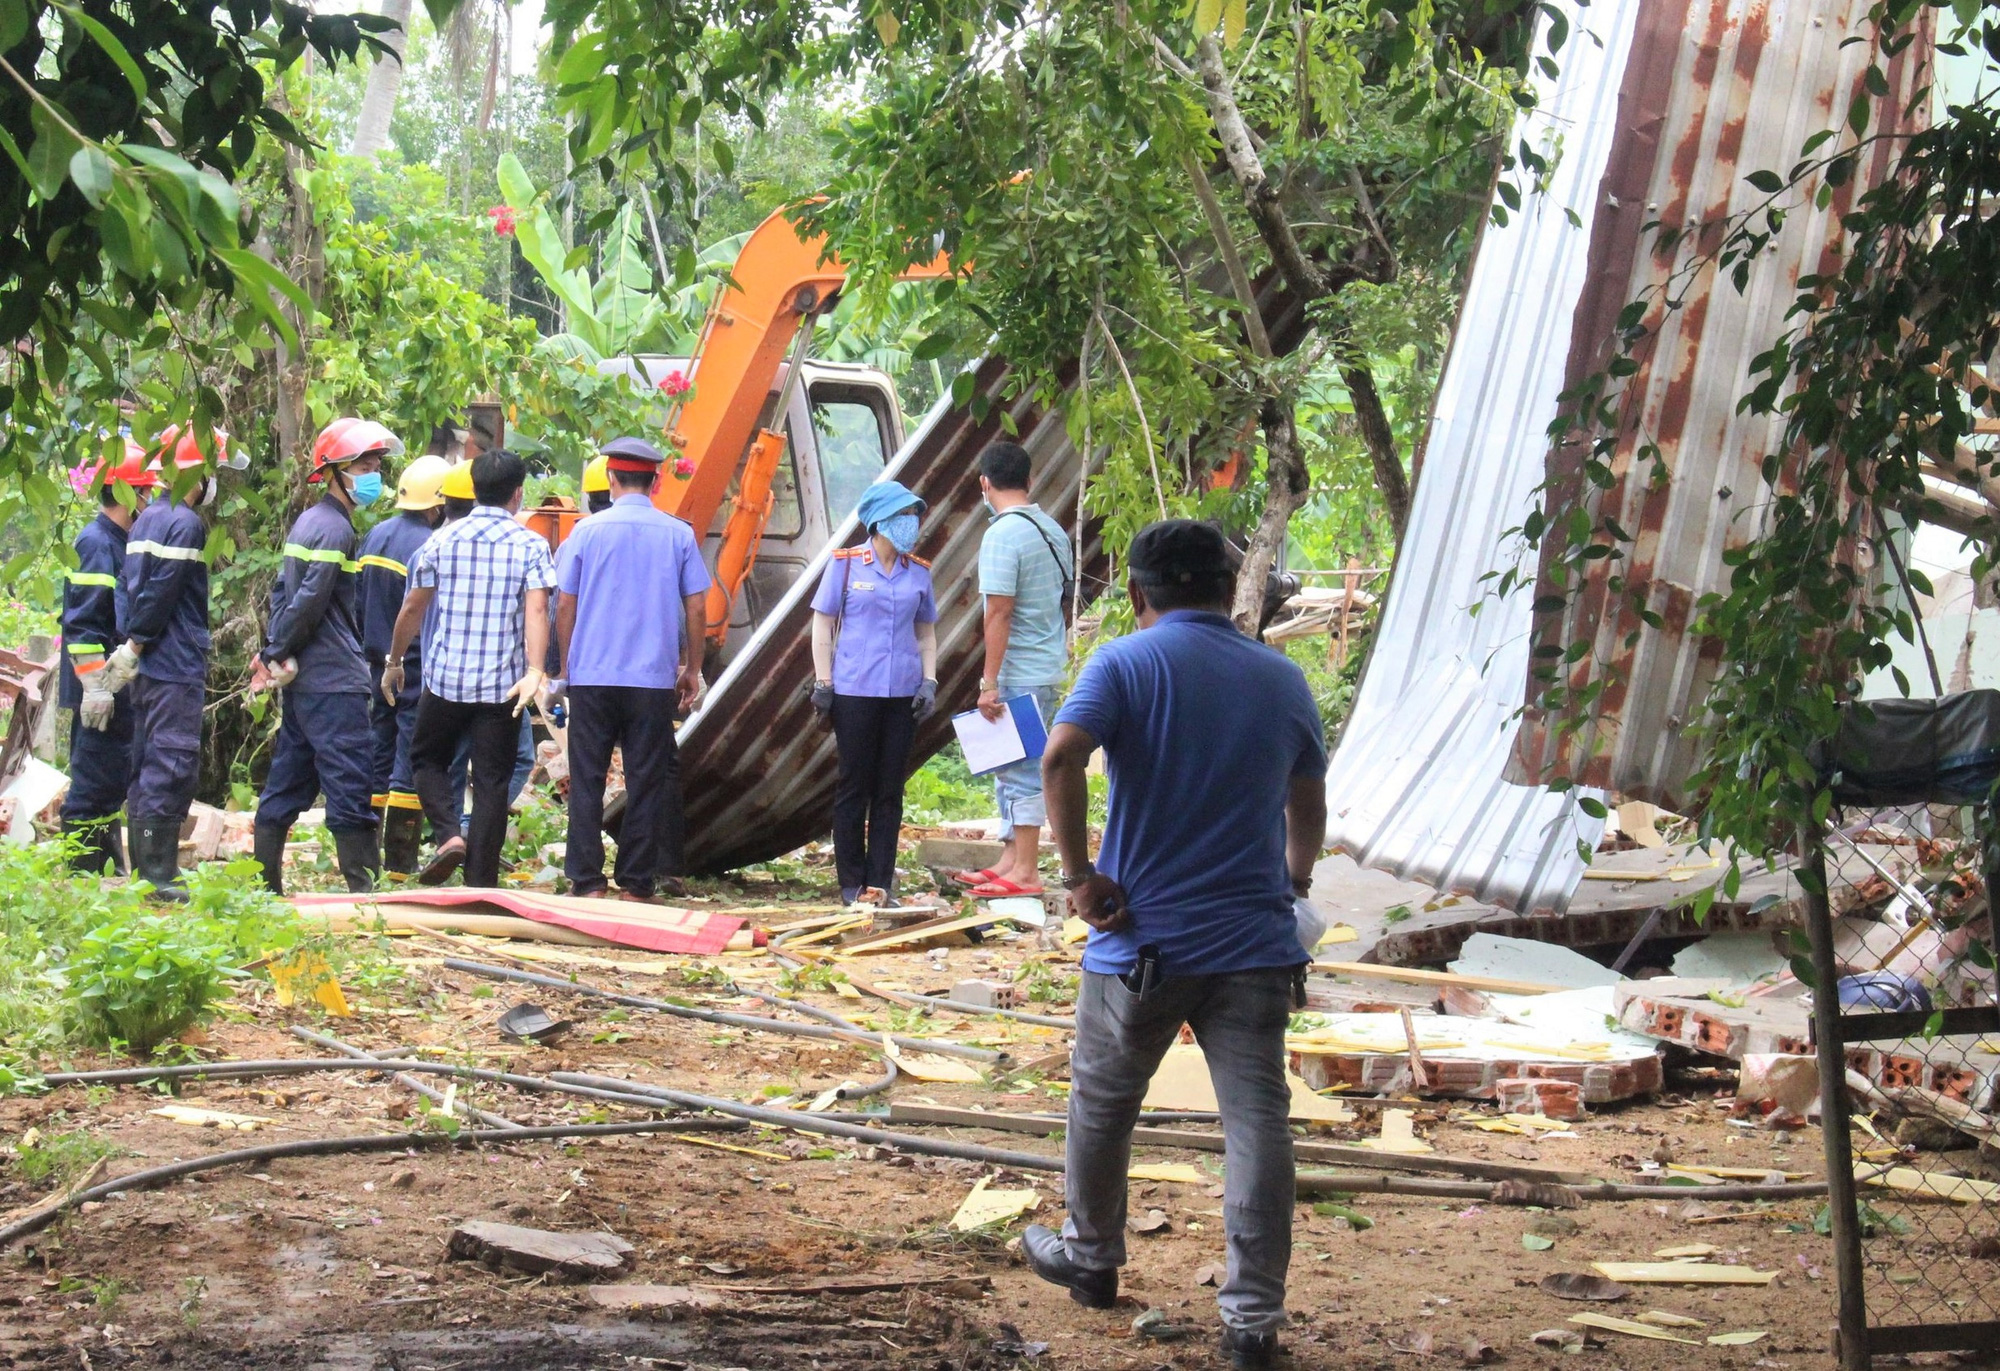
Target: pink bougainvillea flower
pixel 675 384
pixel 684 467
pixel 503 220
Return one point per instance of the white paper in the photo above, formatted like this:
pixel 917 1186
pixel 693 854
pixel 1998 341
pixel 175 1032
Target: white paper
pixel 988 745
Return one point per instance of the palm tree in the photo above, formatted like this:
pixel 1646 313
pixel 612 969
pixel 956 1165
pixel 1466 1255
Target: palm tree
pixel 385 80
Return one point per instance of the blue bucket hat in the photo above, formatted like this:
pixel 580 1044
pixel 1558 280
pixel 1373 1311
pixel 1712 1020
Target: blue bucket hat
pixel 885 499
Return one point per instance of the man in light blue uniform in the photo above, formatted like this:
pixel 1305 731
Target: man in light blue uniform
pixel 1218 810
pixel 631 657
pixel 1025 568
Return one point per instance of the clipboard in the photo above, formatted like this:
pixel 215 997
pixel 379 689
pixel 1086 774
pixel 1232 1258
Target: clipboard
pixel 1019 734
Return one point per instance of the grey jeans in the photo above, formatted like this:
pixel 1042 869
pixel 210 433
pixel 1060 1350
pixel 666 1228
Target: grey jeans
pixel 1239 1019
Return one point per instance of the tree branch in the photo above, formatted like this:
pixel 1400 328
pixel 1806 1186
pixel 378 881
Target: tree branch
pixel 1380 439
pixel 1287 487
pixel 1145 427
pixel 1259 195
pixel 1232 262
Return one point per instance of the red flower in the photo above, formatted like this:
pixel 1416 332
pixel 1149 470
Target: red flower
pixel 684 467
pixel 675 384
pixel 503 220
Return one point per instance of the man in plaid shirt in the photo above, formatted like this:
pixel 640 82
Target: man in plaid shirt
pixel 490 579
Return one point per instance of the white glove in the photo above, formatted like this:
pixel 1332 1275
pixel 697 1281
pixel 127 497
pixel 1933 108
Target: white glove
pixel 285 672
pixel 392 681
pixel 526 688
pixel 554 691
pixel 1312 925
pixel 98 703
pixel 119 668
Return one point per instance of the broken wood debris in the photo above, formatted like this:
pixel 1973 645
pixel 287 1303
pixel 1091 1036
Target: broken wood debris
pixel 536 1251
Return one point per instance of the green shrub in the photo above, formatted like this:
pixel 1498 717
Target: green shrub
pixel 141 980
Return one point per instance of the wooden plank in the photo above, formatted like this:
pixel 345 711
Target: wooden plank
pixel 1680 1273
pixel 1189 1140
pixel 1418 975
pixel 351 918
pixel 883 942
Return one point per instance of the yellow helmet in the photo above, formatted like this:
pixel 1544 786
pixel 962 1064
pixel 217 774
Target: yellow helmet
pixel 420 486
pixel 458 483
pixel 596 475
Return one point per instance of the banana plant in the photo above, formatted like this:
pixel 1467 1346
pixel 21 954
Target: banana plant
pixel 609 315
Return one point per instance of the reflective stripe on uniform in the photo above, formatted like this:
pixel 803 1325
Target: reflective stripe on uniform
pixel 84 649
pixel 169 551
pixel 321 554
pixel 93 578
pixel 385 563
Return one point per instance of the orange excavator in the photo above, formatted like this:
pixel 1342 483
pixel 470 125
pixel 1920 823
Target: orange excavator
pixel 730 430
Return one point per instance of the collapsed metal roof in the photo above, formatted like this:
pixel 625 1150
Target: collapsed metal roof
pixel 1713 92
pixel 1417 782
pixel 1660 109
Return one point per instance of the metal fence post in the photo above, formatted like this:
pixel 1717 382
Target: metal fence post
pixel 1852 1330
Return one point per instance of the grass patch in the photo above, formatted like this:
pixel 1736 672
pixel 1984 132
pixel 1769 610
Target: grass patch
pixel 56 1159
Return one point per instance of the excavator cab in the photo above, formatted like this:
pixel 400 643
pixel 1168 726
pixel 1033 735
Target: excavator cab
pixel 840 426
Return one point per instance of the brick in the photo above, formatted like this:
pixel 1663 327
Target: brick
pixel 1529 1095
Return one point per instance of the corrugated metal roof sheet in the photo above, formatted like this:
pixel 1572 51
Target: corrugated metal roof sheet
pixel 1416 785
pixel 1715 90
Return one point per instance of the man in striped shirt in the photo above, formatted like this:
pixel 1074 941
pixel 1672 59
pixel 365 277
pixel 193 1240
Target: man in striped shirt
pixel 312 650
pixel 490 579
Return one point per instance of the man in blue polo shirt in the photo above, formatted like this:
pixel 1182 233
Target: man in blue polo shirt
pixel 1217 813
pixel 631 611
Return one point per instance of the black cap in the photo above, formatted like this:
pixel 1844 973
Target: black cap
pixel 1177 553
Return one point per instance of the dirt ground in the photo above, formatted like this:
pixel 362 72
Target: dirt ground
pixel 340 1263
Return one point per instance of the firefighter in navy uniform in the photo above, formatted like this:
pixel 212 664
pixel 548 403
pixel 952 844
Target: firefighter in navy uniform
pixel 163 617
pixel 312 651
pixel 386 554
pixel 100 739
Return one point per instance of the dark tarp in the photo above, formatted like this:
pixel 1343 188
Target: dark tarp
pixel 1897 752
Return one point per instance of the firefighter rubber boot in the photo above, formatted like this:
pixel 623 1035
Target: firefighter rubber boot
pixel 402 835
pixel 156 855
pixel 357 851
pixel 268 847
pixel 99 845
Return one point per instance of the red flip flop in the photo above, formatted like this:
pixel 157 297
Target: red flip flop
pixel 970 878
pixel 997 890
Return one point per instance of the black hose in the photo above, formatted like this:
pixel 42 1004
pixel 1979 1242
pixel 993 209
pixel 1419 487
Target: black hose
pixel 750 1021
pixel 279 1066
pixel 332 1147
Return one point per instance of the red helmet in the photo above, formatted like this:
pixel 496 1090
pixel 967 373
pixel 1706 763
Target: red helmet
pixel 185 445
pixel 135 471
pixel 345 440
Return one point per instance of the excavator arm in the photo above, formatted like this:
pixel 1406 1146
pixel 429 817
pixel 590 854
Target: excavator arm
pixel 780 281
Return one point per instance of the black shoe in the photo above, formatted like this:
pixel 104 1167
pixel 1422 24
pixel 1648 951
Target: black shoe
pixel 356 849
pixel 402 834
pixel 1248 1351
pixel 268 846
pixel 156 856
pixel 1049 1259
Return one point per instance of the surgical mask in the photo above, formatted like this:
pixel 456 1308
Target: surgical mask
pixel 987 505
pixel 900 530
pixel 367 488
pixel 210 488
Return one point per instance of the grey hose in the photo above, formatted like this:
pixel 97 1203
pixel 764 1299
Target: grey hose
pixel 876 1087
pixel 329 1147
pixel 750 1021
pixel 407 1081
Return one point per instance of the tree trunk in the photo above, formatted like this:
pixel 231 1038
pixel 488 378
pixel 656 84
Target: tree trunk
pixel 385 81
pixel 1287 488
pixel 1373 421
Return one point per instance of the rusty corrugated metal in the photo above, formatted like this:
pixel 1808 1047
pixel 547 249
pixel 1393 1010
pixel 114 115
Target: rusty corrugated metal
pixel 1416 785
pixel 758 767
pixel 1713 92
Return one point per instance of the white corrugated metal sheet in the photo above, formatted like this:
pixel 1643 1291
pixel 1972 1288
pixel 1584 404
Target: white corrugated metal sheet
pixel 1416 783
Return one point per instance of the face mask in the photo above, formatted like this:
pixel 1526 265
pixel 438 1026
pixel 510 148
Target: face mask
pixel 367 489
pixel 210 487
pixel 900 530
pixel 987 505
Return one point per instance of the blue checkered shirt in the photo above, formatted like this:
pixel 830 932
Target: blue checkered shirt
pixel 482 568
